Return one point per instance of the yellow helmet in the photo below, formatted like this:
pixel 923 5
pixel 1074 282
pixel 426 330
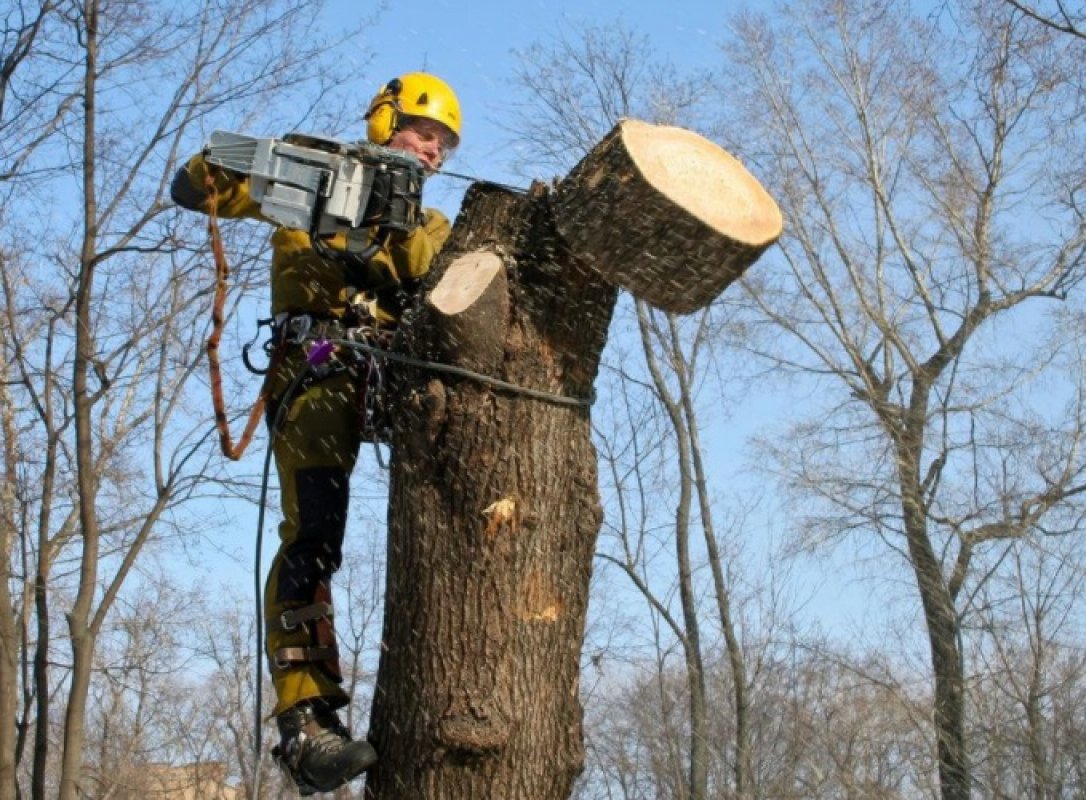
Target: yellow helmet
pixel 416 94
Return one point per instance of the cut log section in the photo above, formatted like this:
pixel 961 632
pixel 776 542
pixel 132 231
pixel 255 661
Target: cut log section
pixel 464 281
pixel 665 214
pixel 468 310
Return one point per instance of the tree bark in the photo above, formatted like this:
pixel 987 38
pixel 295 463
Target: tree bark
pixel 9 628
pixel 494 512
pixel 940 613
pixel 81 634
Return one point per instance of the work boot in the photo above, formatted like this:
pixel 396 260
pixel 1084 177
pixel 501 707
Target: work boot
pixel 316 750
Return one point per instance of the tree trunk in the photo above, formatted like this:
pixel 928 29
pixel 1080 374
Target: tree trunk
pixel 697 787
pixel 9 627
pixel 943 628
pixel 81 635
pixel 494 506
pixel 494 512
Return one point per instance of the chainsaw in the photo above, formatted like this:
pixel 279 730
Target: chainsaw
pixel 325 186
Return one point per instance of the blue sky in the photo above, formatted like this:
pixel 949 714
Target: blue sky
pixel 848 591
pixel 474 45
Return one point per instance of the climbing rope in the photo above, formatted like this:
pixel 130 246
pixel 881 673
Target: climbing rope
pixel 450 369
pixel 218 321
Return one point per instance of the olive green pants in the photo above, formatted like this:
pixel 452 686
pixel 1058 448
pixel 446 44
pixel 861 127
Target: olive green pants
pixel 315 447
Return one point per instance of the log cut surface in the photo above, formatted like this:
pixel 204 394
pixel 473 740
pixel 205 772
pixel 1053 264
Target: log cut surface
pixel 666 214
pixel 465 280
pixel 469 306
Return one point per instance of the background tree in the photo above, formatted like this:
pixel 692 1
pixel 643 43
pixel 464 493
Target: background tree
pixel 1026 639
pixel 904 285
pixel 1057 15
pixel 104 449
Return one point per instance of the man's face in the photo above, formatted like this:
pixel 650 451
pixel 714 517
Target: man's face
pixel 429 141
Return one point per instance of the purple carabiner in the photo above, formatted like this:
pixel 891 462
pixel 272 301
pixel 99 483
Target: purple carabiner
pixel 319 352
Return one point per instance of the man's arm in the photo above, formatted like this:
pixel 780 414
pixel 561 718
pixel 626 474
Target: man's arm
pixel 411 255
pixel 396 271
pixel 190 190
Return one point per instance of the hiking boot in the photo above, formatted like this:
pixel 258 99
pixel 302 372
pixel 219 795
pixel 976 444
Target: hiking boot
pixel 316 750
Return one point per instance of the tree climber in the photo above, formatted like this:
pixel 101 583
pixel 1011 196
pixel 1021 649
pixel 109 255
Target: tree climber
pixel 316 287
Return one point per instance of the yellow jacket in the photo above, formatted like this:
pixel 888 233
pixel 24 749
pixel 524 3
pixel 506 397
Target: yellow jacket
pixel 302 281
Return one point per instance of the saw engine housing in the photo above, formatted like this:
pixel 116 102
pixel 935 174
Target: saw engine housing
pixel 325 186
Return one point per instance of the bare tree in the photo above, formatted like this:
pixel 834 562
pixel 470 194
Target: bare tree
pixel 1031 674
pixel 906 178
pixel 220 709
pixel 99 298
pixel 576 87
pixel 830 723
pixel 1058 15
pixel 140 665
pixel 850 726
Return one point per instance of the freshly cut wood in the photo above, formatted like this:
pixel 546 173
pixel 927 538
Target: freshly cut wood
pixel 465 279
pixel 469 306
pixel 665 214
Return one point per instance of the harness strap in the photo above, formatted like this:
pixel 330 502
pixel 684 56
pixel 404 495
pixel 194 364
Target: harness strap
pixel 286 657
pixel 289 620
pixel 218 320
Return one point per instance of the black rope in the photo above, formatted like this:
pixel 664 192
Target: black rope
pixel 277 423
pixel 437 366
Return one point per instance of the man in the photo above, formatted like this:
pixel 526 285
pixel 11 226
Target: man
pixel 317 441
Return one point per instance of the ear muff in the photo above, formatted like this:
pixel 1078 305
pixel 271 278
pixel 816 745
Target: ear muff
pixel 384 112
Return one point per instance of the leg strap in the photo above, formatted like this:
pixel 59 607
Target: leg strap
pixel 286 657
pixel 292 618
pixel 307 635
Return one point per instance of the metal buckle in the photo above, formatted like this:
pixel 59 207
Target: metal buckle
pixel 293 617
pixel 298 328
pixel 363 334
